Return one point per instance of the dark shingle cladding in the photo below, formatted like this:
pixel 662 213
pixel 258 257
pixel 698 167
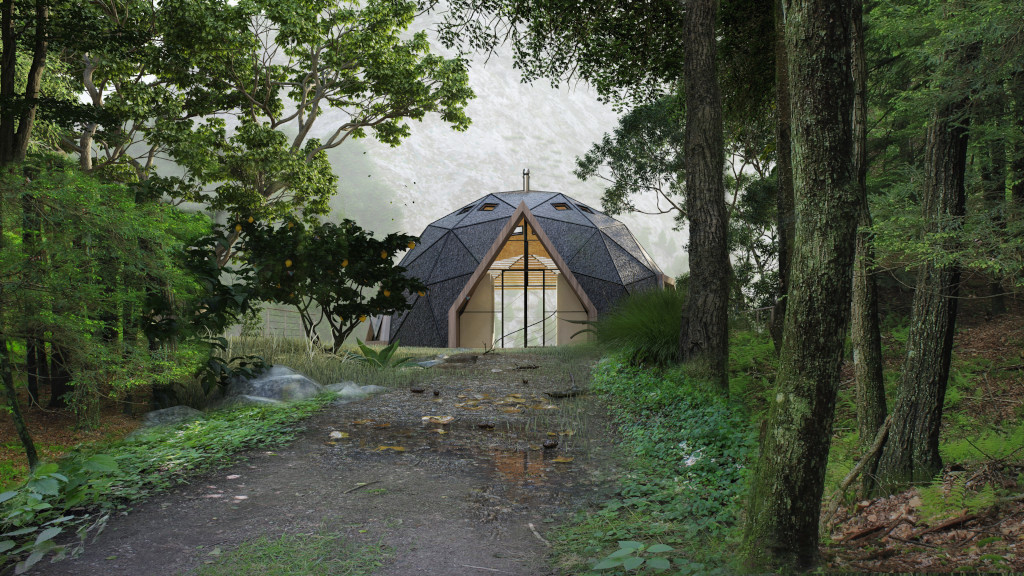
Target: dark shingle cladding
pixel 600 252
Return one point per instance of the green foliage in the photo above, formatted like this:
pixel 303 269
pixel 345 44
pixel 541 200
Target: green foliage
pixel 945 501
pixel 385 358
pixel 48 505
pixel 646 326
pixel 685 480
pixel 80 263
pixel 284 69
pixel 316 554
pixel 637 557
pixel 334 273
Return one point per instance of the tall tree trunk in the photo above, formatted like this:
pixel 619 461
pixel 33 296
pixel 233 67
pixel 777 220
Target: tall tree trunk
pixel 8 67
pixel 706 339
pixel 60 377
pixel 911 453
pixel 783 175
pixel 782 522
pixel 864 330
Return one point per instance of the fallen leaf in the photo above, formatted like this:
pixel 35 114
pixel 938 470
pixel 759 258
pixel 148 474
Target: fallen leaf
pixel 552 433
pixel 544 407
pixel 568 433
pixel 330 443
pixel 534 446
pixel 511 410
pixel 438 419
pixel 465 407
pixel 439 430
pixel 384 425
pixel 915 502
pixel 562 459
pixel 215 552
pixel 395 448
pixel 361 422
pixel 338 435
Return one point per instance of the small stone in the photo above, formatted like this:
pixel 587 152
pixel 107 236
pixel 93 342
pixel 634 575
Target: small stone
pixel 549 443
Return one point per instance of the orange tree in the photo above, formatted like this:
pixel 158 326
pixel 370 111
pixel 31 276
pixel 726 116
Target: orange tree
pixel 337 274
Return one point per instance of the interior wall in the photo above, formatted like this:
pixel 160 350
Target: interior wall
pixel 476 324
pixel 569 308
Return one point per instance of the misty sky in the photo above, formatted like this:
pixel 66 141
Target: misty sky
pixel 515 126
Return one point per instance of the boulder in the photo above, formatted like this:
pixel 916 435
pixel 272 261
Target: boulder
pixel 352 391
pixel 278 383
pixel 170 416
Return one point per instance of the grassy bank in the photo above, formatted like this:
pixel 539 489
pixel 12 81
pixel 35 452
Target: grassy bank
pixel 679 500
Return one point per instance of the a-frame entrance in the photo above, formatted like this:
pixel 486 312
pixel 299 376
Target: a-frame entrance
pixel 521 295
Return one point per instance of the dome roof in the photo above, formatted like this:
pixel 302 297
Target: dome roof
pixel 599 251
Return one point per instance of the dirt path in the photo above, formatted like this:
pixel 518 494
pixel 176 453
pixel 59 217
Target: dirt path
pixel 450 499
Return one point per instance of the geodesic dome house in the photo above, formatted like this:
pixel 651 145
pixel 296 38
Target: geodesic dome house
pixel 515 269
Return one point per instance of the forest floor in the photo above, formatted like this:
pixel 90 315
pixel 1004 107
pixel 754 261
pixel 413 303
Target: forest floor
pixel 469 496
pixel 974 519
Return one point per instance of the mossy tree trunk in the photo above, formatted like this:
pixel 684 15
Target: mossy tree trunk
pixel 705 340
pixel 864 330
pixel 783 176
pixel 911 452
pixel 782 524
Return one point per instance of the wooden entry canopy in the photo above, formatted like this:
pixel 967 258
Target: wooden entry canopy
pixel 521 214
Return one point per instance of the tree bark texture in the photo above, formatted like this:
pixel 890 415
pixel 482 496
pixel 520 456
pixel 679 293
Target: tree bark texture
pixel 706 339
pixel 8 65
pixel 785 504
pixel 783 176
pixel 864 330
pixel 911 453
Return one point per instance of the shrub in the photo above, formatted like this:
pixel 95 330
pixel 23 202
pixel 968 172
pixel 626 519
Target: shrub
pixel 645 326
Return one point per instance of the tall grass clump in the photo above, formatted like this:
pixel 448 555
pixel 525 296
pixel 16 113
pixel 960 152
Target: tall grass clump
pixel 645 326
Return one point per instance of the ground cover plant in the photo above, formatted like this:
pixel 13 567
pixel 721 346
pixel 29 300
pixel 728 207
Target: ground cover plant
pixel 688 451
pixel 315 554
pixel 74 496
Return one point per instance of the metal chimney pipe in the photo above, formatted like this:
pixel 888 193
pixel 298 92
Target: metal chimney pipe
pixel 526 180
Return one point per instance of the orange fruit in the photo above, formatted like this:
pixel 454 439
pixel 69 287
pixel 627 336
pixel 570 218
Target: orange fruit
pixel 384 254
pixel 412 245
pixel 422 293
pixel 287 263
pixel 362 318
pixel 344 262
pixel 250 219
pixel 387 293
pixel 238 227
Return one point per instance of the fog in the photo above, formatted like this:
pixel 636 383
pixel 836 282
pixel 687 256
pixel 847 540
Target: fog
pixel 515 126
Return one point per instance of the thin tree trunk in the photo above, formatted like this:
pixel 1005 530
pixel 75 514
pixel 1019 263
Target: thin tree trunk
pixel 706 340
pixel 35 78
pixel 993 176
pixel 1017 164
pixel 60 378
pixel 784 508
pixel 864 330
pixel 7 378
pixel 911 452
pixel 783 176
